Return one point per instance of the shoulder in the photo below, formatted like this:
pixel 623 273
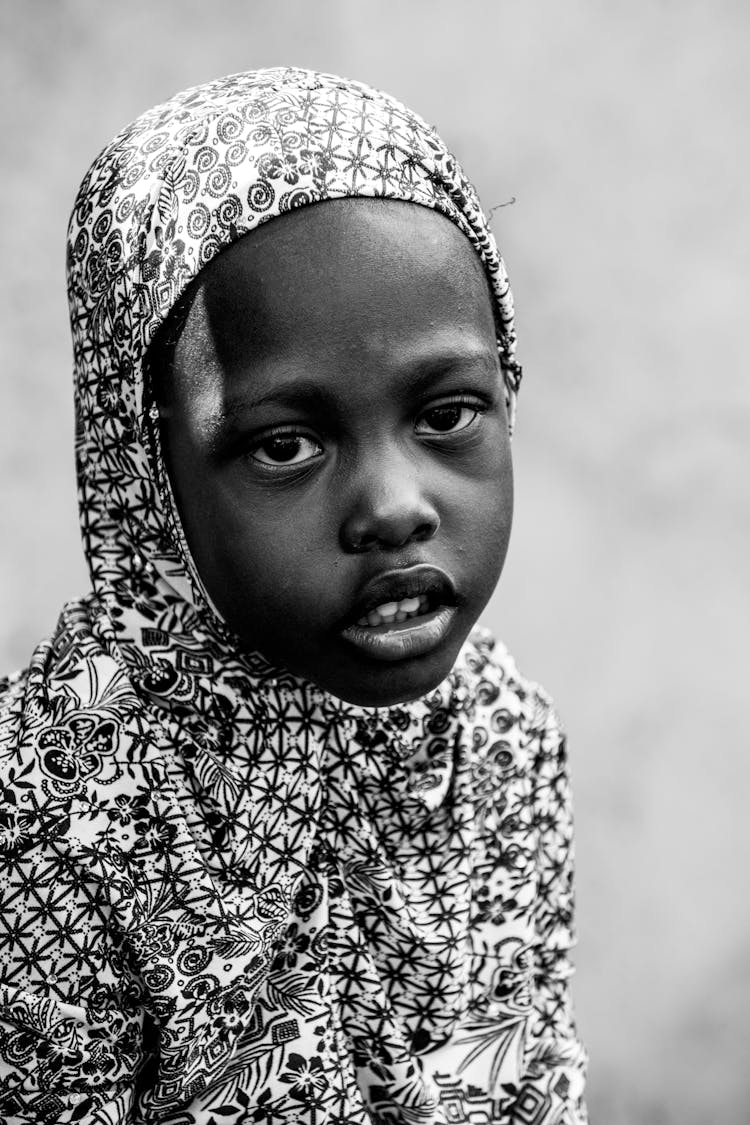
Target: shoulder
pixel 12 698
pixel 491 680
pixel 505 708
pixel 68 709
pixel 12 688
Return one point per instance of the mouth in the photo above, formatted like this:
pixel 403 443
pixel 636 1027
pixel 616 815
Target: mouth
pixel 403 613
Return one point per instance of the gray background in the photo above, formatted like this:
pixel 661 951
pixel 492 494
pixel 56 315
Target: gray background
pixel 621 129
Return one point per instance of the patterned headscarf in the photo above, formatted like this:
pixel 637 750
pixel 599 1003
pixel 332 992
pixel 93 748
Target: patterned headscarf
pixel 252 900
pixel 173 190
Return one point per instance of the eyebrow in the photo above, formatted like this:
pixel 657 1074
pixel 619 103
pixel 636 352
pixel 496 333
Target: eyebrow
pixel 422 371
pixel 300 392
pixel 230 418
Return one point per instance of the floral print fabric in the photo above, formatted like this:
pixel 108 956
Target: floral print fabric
pixel 227 896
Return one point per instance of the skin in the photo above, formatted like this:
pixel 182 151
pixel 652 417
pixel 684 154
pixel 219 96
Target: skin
pixel 336 410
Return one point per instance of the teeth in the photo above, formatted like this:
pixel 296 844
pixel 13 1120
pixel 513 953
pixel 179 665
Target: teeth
pixel 389 612
pixel 409 605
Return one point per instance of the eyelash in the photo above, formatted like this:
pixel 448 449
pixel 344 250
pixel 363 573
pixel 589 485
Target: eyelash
pixel 287 434
pixel 460 403
pixel 281 434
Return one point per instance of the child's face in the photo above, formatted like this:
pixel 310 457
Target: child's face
pixel 336 434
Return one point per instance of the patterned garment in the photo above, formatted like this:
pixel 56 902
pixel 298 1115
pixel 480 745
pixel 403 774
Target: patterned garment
pixel 226 895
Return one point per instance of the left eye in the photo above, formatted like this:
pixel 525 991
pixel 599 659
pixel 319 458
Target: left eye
pixel 286 449
pixel 447 418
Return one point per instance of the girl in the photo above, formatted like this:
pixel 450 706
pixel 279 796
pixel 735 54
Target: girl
pixel 284 838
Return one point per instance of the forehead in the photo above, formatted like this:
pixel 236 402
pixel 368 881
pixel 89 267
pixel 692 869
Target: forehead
pixel 352 283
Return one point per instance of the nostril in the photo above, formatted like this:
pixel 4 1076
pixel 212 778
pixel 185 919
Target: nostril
pixel 390 538
pixel 364 543
pixel 425 531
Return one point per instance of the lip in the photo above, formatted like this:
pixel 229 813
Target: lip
pixel 406 582
pixel 413 637
pixel 416 635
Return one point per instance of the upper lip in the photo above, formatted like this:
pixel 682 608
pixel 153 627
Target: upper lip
pixel 406 582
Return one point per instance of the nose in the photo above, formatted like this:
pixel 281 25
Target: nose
pixel 387 506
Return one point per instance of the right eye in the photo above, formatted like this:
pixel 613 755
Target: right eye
pixel 277 450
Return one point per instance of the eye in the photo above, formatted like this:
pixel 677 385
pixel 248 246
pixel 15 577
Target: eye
pixel 287 447
pixel 448 417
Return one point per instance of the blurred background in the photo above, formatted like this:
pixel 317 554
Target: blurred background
pixel 620 131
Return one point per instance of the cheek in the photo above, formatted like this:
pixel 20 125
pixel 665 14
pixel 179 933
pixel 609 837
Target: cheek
pixel 483 499
pixel 504 493
pixel 267 574
pixel 502 503
pixel 486 517
pixel 258 555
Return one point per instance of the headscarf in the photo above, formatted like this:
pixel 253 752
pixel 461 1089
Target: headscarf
pixel 254 901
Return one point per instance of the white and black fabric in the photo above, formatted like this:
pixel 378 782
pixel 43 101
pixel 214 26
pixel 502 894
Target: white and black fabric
pixel 226 896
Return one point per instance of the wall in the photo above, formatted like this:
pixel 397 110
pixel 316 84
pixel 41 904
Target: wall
pixel 620 130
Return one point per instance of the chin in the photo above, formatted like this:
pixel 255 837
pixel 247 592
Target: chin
pixel 389 685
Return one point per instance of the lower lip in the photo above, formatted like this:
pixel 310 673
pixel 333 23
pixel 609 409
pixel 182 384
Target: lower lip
pixel 413 637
